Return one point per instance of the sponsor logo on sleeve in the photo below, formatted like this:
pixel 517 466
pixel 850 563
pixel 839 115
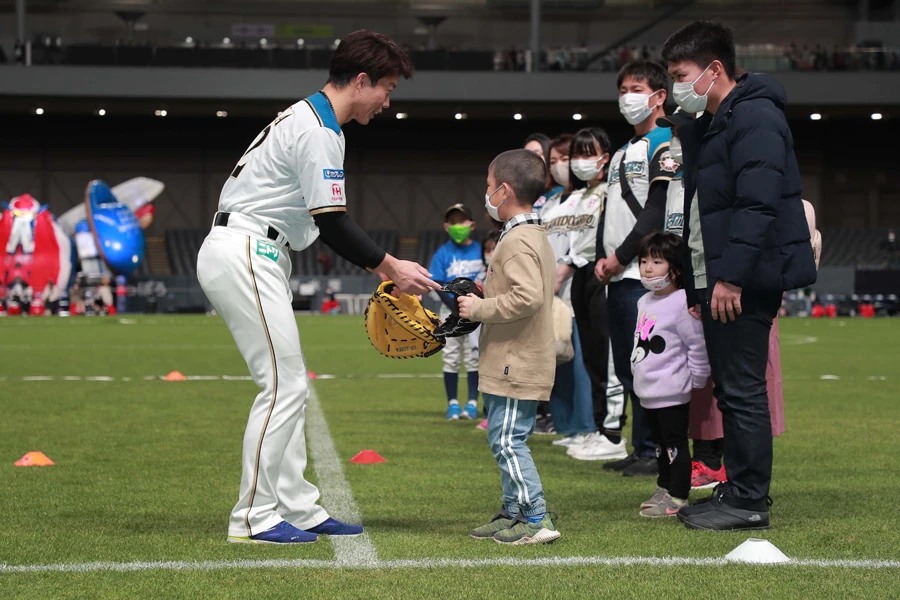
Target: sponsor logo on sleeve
pixel 337 193
pixel 337 174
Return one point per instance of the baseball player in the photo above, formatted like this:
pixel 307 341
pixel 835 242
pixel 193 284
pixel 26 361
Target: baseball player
pixel 286 191
pixel 460 256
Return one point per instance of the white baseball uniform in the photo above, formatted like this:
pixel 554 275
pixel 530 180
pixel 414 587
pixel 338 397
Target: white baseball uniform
pixel 292 171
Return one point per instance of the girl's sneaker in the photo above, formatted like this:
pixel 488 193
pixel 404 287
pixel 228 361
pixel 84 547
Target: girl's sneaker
pixel 524 532
pixel 482 426
pixel 666 507
pixel 656 498
pixel 702 477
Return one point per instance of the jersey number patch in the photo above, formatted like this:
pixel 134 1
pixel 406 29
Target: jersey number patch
pixel 257 143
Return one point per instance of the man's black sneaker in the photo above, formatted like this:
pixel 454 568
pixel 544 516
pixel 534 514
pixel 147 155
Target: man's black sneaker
pixel 642 467
pixel 725 517
pixel 621 464
pixel 703 505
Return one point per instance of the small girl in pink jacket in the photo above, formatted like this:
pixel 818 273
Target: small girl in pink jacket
pixel 668 361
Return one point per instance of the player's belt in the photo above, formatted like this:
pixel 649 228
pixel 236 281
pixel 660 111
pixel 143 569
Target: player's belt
pixel 222 219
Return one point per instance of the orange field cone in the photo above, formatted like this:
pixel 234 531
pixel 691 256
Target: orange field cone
pixel 175 376
pixel 367 457
pixel 34 459
pixel 312 375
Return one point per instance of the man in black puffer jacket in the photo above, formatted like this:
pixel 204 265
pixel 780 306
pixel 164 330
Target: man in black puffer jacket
pixel 748 242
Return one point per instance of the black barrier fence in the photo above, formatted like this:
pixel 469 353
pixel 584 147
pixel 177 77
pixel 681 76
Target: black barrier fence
pixel 183 294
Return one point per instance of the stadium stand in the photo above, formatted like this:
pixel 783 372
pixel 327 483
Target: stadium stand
pixel 860 248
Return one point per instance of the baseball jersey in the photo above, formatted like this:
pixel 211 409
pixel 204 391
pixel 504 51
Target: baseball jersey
pixel 452 260
pixel 647 159
pixel 294 169
pixel 674 222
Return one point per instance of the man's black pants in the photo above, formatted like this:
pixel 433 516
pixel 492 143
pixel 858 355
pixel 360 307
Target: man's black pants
pixel 589 304
pixel 738 351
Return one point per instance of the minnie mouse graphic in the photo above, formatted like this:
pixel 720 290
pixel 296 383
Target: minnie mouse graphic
pixel 644 340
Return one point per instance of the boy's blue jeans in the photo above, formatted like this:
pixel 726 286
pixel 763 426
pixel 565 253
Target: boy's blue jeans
pixel 510 423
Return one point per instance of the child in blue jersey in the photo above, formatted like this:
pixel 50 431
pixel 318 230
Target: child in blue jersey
pixel 459 257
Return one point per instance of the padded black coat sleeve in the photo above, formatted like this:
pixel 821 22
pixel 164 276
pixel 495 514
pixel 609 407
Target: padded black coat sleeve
pixel 344 236
pixel 652 218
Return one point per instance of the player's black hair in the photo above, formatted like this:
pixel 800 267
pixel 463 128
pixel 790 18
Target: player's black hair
pixel 374 54
pixel 652 72
pixel 702 42
pixel 583 145
pixel 522 170
pixel 541 139
pixel 669 247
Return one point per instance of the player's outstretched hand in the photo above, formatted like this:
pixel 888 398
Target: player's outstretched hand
pixel 412 278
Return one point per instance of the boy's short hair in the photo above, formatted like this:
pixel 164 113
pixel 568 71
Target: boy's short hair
pixel 374 54
pixel 656 76
pixel 702 42
pixel 524 171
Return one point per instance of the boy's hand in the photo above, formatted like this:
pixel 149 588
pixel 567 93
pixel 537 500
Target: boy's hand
pixel 465 305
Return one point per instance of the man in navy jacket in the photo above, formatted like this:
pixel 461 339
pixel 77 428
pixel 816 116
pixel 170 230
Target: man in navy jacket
pixel 748 242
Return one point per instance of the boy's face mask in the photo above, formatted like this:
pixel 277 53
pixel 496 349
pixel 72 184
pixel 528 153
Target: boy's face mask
pixel 460 232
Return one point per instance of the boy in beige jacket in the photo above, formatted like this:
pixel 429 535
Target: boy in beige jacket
pixel 518 355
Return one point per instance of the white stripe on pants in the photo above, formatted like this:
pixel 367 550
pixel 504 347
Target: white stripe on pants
pixel 250 292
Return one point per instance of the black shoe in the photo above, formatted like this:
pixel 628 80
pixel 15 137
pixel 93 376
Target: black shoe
pixel 703 505
pixel 621 464
pixel 642 467
pixel 543 425
pixel 725 517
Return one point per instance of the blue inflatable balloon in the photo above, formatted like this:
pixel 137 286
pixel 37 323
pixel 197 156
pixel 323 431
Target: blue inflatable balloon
pixel 116 230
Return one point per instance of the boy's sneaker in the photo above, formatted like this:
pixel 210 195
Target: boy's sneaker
pixel 656 498
pixel 523 532
pixel 598 447
pixel 283 533
pixel 501 521
pixel 453 411
pixel 667 506
pixel 620 465
pixel 642 467
pixel 482 426
pixel 702 477
pixel 574 439
pixel 471 411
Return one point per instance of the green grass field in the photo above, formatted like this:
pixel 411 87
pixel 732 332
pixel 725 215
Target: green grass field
pixel 147 470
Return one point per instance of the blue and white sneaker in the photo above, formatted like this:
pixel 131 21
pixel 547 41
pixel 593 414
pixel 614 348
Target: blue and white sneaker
pixel 334 527
pixel 453 411
pixel 283 533
pixel 471 411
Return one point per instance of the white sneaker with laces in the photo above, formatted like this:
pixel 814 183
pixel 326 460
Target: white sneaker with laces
pixel 598 447
pixel 576 439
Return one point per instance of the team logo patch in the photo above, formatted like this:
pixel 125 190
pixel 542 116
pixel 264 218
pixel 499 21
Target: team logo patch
pixel 667 163
pixel 337 193
pixel 268 250
pixel 333 174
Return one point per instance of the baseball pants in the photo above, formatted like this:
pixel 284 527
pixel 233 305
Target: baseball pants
pixel 245 278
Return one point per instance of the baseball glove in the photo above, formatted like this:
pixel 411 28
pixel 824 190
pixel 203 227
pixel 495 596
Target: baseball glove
pixel 401 327
pixel 454 325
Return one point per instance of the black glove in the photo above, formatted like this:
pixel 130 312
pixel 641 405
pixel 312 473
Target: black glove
pixel 454 325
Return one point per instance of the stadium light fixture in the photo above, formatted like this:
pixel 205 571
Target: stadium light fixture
pixel 336 43
pixel 877 116
pixel 460 116
pixel 577 117
pixel 221 113
pixel 188 40
pixel 160 113
pixel 402 115
pixel 301 42
pixel 263 42
pixel 226 41
pixel 517 116
pixel 102 112
pixel 39 111
pixel 815 117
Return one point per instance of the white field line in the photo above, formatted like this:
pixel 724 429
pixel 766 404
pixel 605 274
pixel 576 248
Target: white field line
pixel 337 498
pixel 431 563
